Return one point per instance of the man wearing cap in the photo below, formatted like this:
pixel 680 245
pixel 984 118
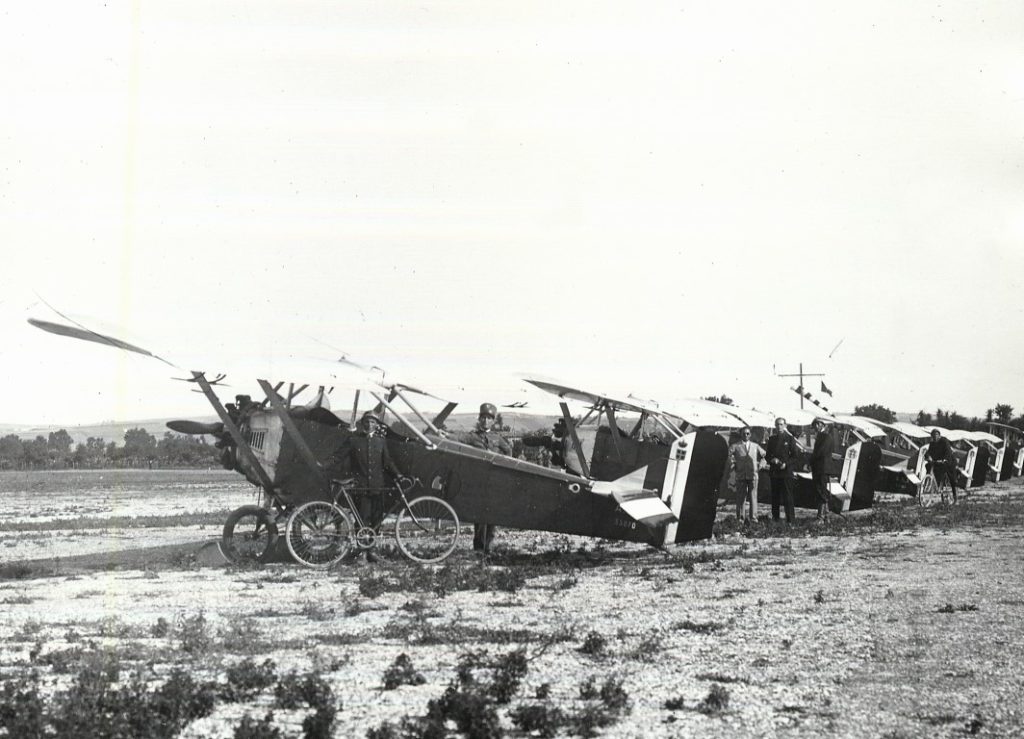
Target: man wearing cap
pixel 940 455
pixel 782 452
pixel 365 456
pixel 745 457
pixel 482 437
pixel 821 455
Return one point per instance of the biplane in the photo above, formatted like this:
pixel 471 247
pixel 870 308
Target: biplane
pixel 853 467
pixel 285 450
pixel 1013 441
pixel 903 464
pixel 972 457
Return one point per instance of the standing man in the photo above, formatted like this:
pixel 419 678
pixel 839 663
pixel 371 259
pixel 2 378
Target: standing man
pixel 940 455
pixel 745 457
pixel 820 458
pixel 483 437
pixel 364 457
pixel 782 452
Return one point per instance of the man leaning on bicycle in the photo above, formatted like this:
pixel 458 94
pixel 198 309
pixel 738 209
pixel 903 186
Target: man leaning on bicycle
pixel 365 458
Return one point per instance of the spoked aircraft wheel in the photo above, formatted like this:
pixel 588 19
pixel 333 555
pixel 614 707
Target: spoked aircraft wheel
pixel 428 530
pixel 318 534
pixel 249 535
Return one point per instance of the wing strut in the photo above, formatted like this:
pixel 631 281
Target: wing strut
pixel 281 410
pixel 419 434
pixel 575 439
pixel 443 415
pixel 240 443
pixel 614 428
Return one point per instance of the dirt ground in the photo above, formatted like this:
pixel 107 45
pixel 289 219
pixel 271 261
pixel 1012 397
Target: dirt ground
pixel 898 622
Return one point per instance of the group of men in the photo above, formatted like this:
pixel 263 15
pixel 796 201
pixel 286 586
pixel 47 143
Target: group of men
pixel 781 455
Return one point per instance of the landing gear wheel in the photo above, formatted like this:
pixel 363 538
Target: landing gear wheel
pixel 318 534
pixel 428 530
pixel 366 538
pixel 249 535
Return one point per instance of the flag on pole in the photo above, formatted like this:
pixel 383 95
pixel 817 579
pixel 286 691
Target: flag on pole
pixel 824 389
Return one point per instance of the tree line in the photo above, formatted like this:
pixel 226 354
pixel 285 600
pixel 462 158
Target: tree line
pixel 140 449
pixel 1001 413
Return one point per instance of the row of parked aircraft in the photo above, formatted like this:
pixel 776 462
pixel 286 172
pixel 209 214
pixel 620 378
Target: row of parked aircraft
pixel 634 471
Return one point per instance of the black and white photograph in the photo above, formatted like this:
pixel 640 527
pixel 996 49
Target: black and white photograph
pixel 414 370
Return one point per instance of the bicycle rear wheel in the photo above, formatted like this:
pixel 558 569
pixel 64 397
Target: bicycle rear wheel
pixel 318 534
pixel 427 530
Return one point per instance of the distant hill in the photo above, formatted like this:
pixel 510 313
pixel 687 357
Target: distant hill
pixel 109 431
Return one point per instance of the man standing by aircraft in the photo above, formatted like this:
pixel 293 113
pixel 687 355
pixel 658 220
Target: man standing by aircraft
pixel 364 455
pixel 782 453
pixel 824 444
pixel 483 437
pixel 746 456
pixel 940 455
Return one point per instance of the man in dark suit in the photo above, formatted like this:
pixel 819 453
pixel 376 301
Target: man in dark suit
pixel 782 453
pixel 821 456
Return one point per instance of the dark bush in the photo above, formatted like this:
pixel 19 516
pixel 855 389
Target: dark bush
pixel 250 728
pixel 247 679
pixel 544 719
pixel 293 690
pixel 402 672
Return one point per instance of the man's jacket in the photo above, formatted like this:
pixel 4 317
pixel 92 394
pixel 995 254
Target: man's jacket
pixel 746 457
pixel 782 454
pixel 824 444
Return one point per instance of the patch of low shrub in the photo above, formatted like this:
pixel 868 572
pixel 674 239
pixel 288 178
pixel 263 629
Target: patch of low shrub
pixel 251 728
pixel 594 644
pixel 716 701
pixel 294 690
pixel 247 679
pixel 402 672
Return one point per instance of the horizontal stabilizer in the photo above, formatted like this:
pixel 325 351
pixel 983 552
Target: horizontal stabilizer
pixel 900 468
pixel 643 506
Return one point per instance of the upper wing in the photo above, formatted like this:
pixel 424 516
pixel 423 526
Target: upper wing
pixel 588 396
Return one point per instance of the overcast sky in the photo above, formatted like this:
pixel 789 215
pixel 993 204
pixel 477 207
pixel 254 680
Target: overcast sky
pixel 662 198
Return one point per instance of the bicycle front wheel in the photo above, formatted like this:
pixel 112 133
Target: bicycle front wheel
pixel 318 534
pixel 427 530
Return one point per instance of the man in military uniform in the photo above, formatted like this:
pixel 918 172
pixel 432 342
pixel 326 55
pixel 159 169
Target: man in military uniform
pixel 821 456
pixel 365 457
pixel 483 437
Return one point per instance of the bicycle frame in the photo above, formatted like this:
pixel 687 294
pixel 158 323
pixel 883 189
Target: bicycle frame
pixel 353 509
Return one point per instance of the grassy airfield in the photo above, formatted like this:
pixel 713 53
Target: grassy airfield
pixel 902 621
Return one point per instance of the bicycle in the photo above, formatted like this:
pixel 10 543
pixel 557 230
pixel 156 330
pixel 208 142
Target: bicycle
pixel 321 533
